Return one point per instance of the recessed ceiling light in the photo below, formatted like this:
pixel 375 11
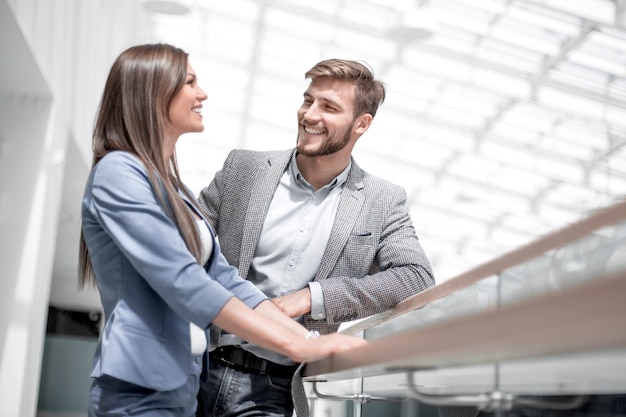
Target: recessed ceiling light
pixel 414 24
pixel 167 7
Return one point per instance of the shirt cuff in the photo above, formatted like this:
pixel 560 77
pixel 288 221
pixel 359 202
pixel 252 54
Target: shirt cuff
pixel 318 312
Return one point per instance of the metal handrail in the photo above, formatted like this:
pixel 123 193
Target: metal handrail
pixel 360 398
pixel 491 401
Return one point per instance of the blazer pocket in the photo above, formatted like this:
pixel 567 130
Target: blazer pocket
pixel 358 254
pixel 361 238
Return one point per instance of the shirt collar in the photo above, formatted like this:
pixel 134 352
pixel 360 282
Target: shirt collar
pixel 337 181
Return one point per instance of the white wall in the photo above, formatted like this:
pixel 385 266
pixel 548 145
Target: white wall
pixel 32 180
pixel 75 43
pixel 55 56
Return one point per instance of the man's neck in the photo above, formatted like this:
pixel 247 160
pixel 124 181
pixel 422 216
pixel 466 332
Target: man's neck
pixel 321 170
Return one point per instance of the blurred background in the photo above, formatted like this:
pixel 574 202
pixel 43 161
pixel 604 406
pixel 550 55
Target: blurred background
pixel 504 120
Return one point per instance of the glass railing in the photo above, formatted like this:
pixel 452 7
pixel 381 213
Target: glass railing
pixel 540 331
pixel 595 256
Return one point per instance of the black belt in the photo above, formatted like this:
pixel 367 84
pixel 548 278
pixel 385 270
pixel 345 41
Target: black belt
pixel 245 361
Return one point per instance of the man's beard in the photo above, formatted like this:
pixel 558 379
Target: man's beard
pixel 328 148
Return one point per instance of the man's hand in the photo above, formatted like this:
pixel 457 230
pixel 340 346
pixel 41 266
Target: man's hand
pixel 295 304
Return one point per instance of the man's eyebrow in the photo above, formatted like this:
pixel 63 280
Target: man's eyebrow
pixel 327 100
pixel 332 102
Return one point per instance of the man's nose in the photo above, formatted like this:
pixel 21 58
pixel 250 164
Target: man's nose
pixel 312 113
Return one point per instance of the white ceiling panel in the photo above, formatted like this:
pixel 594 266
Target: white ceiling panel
pixel 504 120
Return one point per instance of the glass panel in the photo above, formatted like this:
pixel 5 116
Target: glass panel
pixel 591 380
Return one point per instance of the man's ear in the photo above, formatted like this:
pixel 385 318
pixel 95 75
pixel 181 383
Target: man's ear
pixel 363 123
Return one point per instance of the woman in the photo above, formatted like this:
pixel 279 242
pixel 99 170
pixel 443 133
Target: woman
pixel 158 268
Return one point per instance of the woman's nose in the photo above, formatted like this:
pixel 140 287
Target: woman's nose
pixel 201 94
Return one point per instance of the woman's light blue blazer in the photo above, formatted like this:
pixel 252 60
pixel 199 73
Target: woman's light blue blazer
pixel 150 285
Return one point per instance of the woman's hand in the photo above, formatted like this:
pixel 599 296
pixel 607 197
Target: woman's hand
pixel 269 327
pixel 308 350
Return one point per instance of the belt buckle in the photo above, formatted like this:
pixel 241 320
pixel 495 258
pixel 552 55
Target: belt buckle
pixel 221 354
pixel 240 358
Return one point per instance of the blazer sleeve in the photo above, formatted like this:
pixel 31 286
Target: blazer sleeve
pixel 125 205
pixel 382 263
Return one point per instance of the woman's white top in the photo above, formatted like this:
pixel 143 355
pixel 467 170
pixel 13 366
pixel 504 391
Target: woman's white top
pixel 198 337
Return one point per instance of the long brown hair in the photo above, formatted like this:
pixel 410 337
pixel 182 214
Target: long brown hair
pixel 133 111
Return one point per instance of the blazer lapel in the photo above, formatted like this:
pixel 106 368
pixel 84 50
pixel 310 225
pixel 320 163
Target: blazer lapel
pixel 262 191
pixel 350 203
pixel 193 208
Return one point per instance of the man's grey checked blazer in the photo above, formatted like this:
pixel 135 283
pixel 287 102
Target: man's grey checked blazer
pixel 373 259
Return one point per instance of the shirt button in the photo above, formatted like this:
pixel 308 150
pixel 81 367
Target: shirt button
pixel 320 315
pixel 291 263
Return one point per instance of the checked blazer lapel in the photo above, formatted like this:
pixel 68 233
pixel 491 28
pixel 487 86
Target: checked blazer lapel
pixel 262 191
pixel 351 201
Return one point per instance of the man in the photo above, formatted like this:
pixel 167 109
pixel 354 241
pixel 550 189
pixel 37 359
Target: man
pixel 326 241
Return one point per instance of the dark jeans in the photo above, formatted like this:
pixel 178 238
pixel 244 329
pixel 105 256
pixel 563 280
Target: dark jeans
pixel 111 397
pixel 229 392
